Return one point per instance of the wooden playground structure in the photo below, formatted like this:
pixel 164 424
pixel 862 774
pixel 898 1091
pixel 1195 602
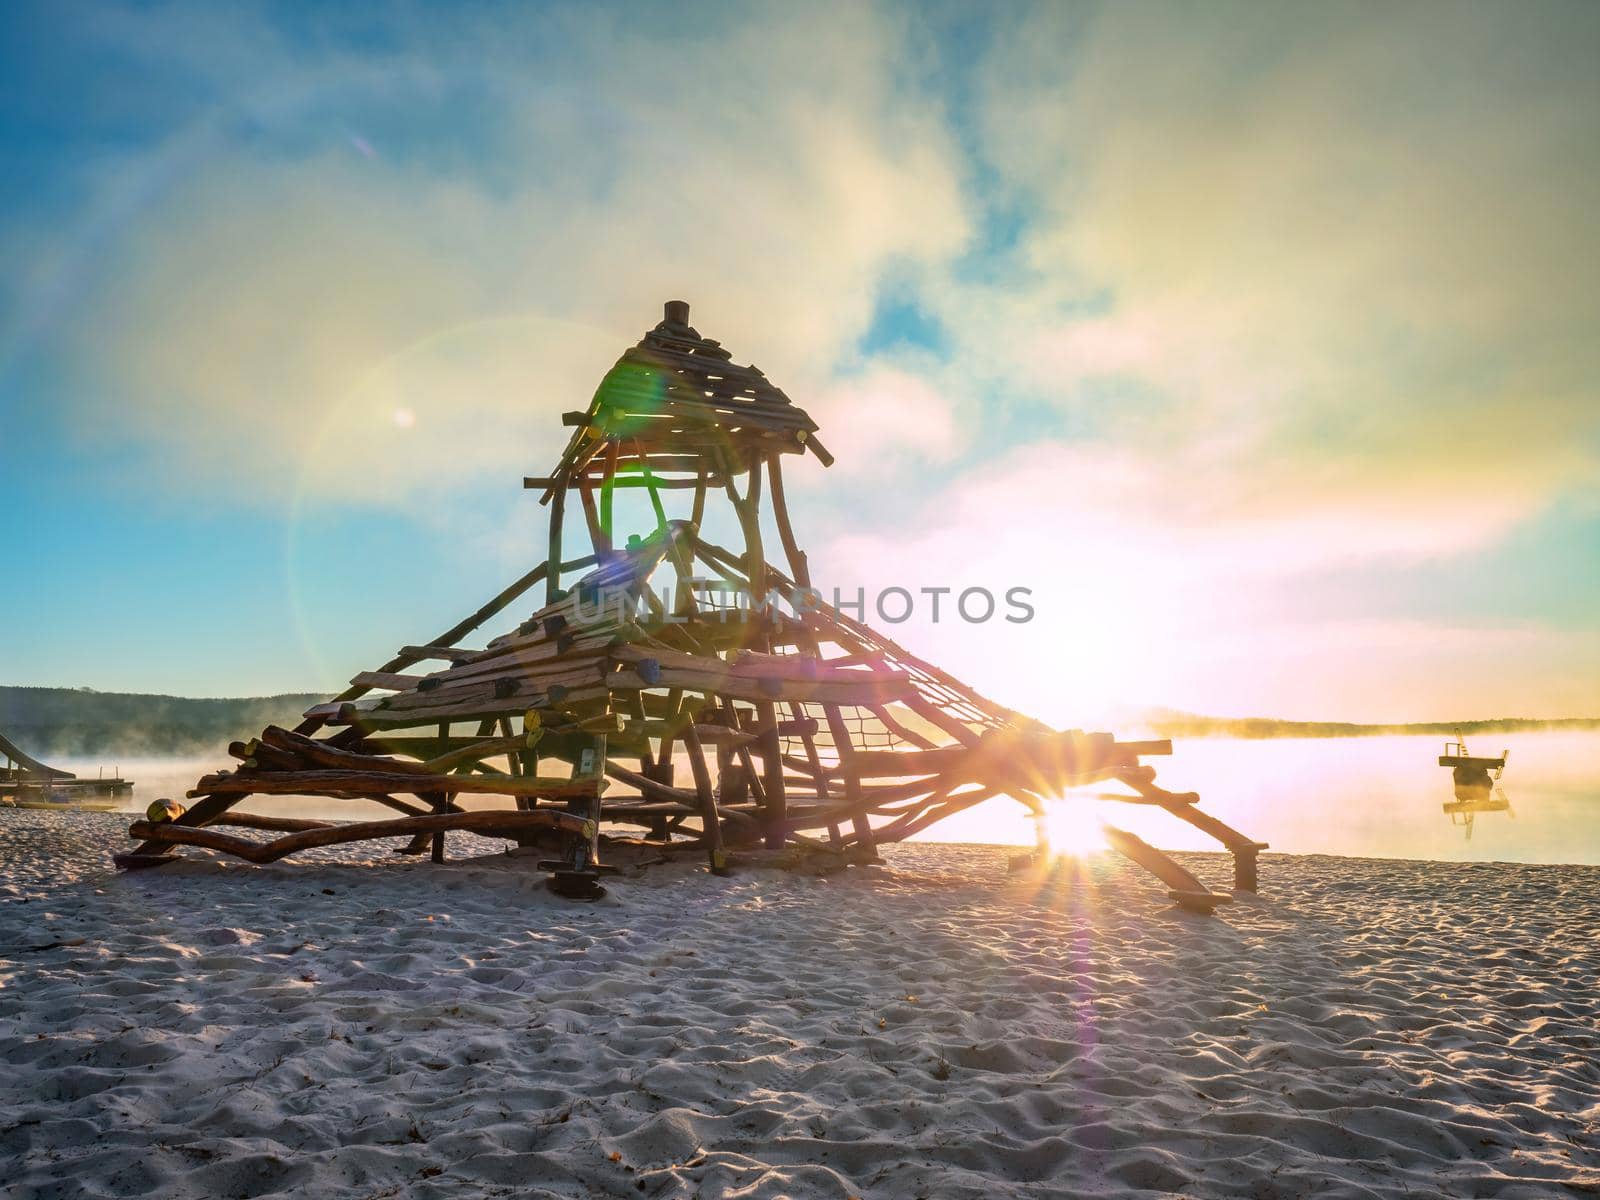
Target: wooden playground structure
pixel 698 697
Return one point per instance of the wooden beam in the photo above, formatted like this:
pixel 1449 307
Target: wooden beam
pixel 487 822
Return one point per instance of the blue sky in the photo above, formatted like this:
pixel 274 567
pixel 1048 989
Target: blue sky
pixel 1258 341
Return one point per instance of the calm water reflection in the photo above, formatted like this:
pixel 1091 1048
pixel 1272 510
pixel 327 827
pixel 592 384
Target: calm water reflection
pixel 1369 797
pixel 1375 797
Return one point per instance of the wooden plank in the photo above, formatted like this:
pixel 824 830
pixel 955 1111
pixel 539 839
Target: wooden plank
pixel 706 797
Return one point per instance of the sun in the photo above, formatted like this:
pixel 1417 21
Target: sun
pixel 1073 828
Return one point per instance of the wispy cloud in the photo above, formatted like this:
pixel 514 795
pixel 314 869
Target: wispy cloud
pixel 1201 305
pixel 287 297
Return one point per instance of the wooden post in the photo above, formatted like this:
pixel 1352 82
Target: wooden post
pixel 818 772
pixel 712 819
pixel 1244 867
pixel 798 566
pixel 552 579
pixel 597 531
pixel 591 804
pixel 777 808
pixel 608 487
pixel 845 748
pixel 437 801
pixel 698 512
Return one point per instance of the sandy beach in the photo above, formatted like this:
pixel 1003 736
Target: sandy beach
pixel 348 1028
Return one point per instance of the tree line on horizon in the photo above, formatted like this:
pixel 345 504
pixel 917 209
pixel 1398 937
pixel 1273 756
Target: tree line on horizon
pixel 75 722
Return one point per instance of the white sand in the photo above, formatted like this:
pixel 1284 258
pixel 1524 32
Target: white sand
pixel 931 1029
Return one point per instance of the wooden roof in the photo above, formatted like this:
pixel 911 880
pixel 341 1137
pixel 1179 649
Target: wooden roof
pixel 680 394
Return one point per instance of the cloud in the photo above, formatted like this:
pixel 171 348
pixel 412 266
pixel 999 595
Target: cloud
pixel 264 319
pixel 1293 292
pixel 1147 580
pixel 1351 255
pixel 884 420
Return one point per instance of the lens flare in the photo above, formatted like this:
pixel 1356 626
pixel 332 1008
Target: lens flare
pixel 1073 829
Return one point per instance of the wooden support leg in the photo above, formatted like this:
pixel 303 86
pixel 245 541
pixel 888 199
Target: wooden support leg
pixel 1183 887
pixel 1244 866
pixel 1244 850
pixel 439 802
pixel 576 873
pixel 710 818
pixel 844 748
pixel 777 814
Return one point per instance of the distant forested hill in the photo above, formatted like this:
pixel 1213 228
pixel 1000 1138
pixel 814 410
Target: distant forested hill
pixel 69 721
pixel 62 722
pixel 1188 725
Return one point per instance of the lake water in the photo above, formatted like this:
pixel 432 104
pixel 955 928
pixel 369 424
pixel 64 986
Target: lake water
pixel 1377 797
pixel 1374 797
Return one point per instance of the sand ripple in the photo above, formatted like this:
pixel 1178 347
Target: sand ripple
pixel 343 1029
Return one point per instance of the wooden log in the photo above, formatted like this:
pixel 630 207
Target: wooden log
pixel 934 715
pixel 486 822
pixel 901 730
pixel 813 762
pixel 598 535
pixel 608 485
pixel 845 748
pixel 780 511
pixel 648 786
pixel 275 824
pixel 488 748
pixel 772 781
pixel 401 806
pixel 320 754
pixel 622 481
pixel 698 511
pixel 722 735
pixel 710 818
pixel 821 451
pixel 743 687
pixel 374 783
pixel 552 583
pixel 208 810
pixel 1157 863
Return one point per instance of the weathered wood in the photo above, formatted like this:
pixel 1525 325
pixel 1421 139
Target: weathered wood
pixel 552 582
pixel 321 754
pixel 710 818
pixel 608 669
pixel 364 784
pixel 488 823
pixel 274 824
pixel 780 511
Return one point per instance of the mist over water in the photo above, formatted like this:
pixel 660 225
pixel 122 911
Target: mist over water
pixel 1366 797
pixel 1376 797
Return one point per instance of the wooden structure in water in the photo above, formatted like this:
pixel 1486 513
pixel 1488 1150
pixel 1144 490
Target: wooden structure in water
pixel 25 782
pixel 699 696
pixel 1477 784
